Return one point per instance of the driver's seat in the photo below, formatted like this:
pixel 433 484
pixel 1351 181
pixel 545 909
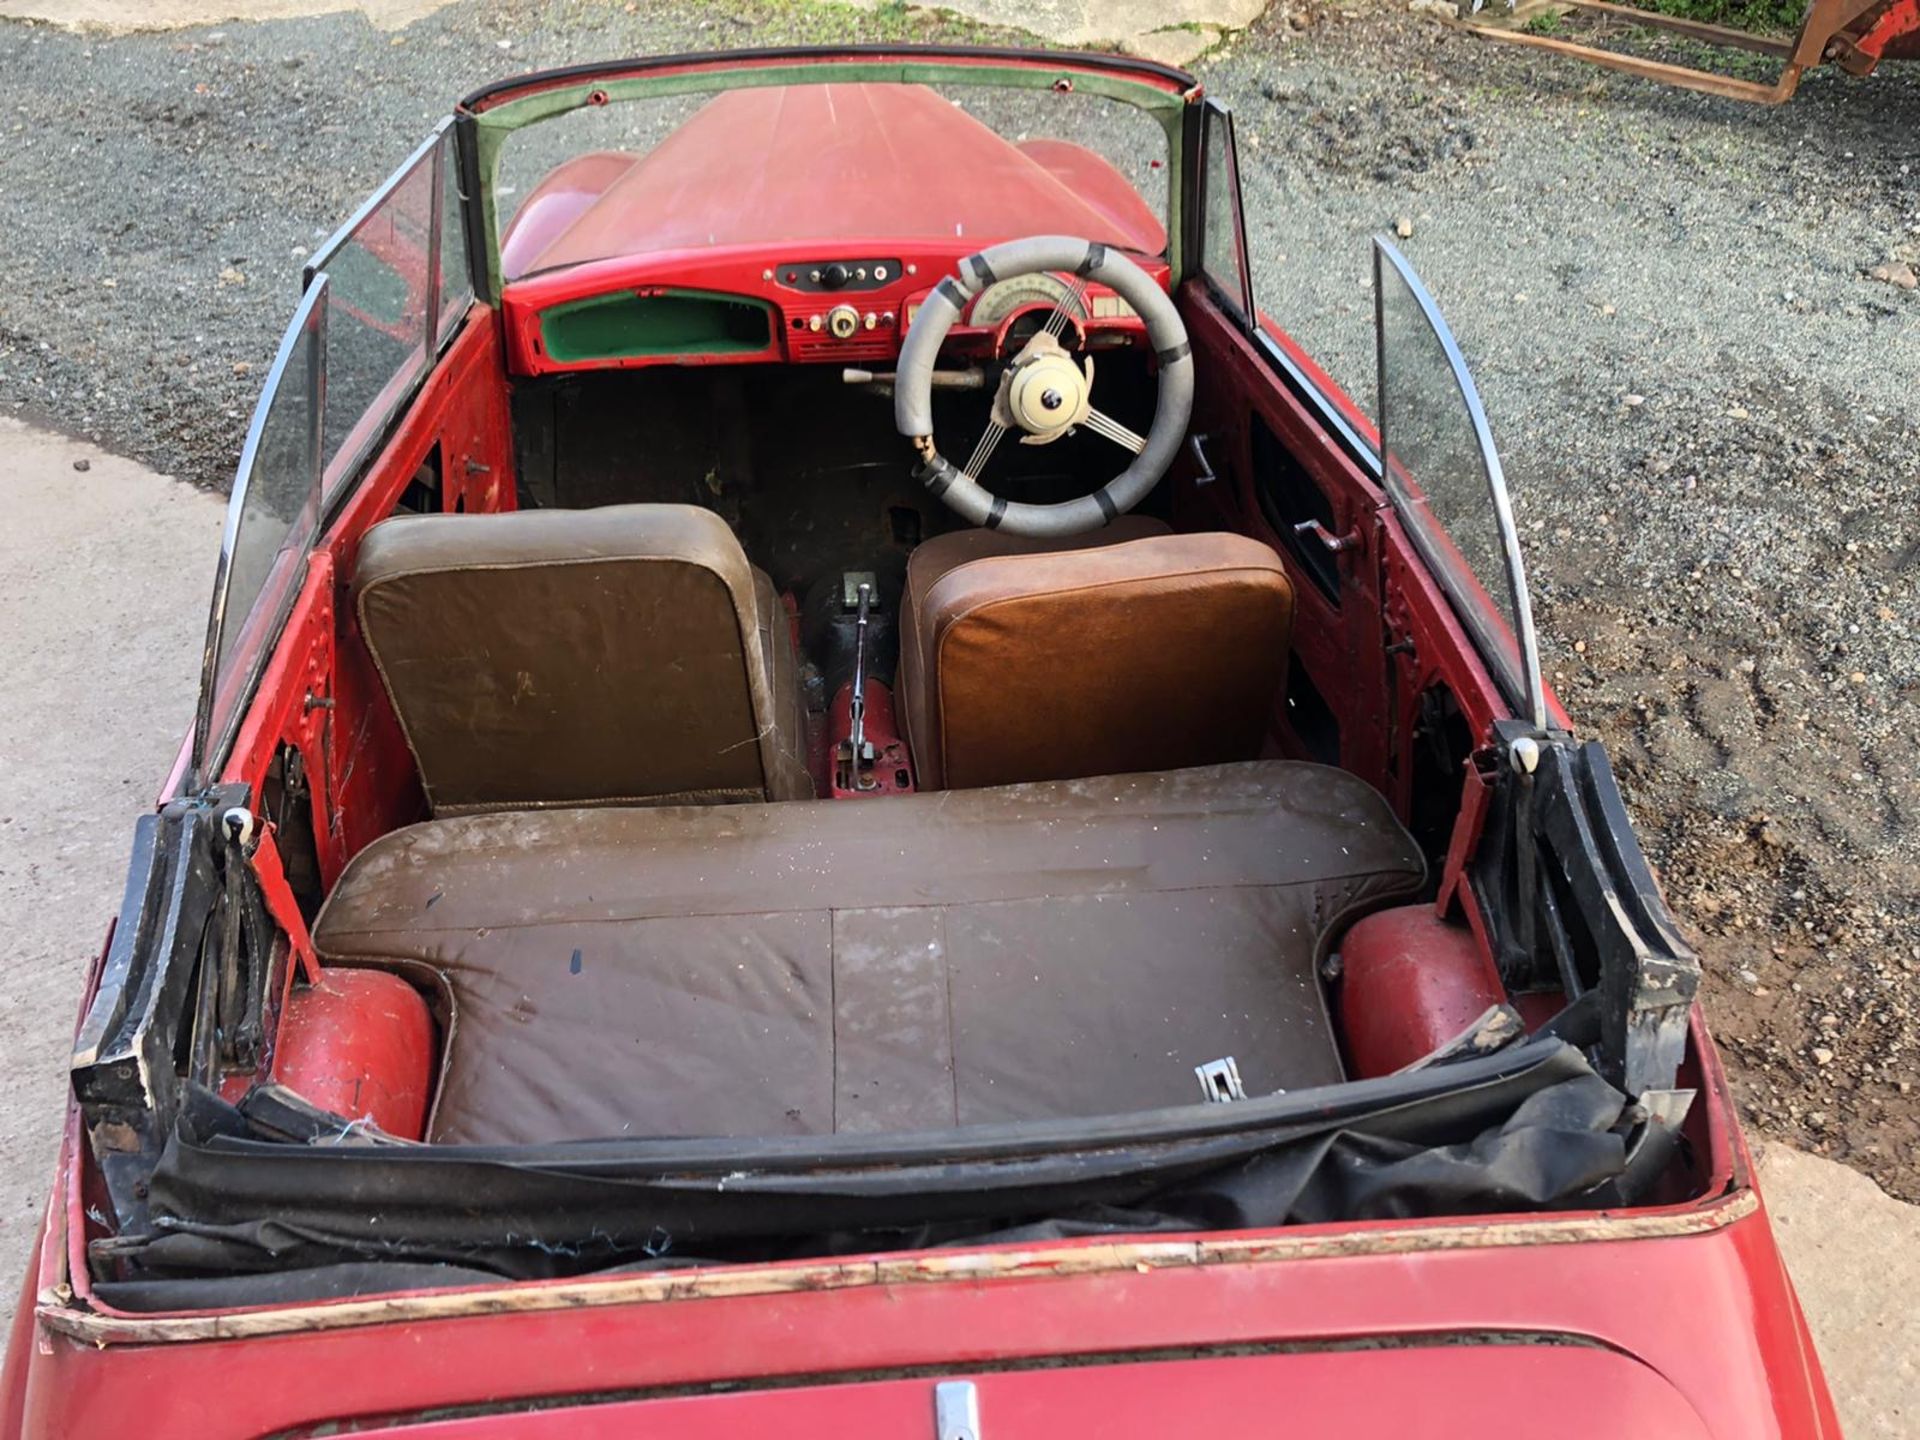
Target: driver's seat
pixel 1128 649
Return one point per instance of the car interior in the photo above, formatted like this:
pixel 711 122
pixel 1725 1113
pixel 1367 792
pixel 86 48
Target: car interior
pixel 665 738
pixel 1070 857
pixel 733 730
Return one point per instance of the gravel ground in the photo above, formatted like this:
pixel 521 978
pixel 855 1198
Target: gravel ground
pixel 1706 401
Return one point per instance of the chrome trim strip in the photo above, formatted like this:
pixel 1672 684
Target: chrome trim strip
pixel 69 1313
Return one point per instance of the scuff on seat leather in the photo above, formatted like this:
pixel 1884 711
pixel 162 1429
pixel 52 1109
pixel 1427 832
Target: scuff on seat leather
pixel 1054 950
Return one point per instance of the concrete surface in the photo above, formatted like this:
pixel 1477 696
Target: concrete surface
pixel 121 16
pixel 1171 31
pixel 1854 1254
pixel 103 592
pixel 104 582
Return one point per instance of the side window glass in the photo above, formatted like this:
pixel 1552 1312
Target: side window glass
pixel 1223 258
pixel 381 269
pixel 272 519
pixel 1444 476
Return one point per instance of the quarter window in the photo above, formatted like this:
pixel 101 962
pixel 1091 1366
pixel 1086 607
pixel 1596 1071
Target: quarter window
pixel 1222 243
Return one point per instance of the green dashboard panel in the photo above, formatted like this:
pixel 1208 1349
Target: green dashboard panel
pixel 626 326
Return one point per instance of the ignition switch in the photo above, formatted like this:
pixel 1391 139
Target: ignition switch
pixel 842 322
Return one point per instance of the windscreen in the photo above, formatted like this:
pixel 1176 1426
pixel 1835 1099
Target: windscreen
pixel 829 160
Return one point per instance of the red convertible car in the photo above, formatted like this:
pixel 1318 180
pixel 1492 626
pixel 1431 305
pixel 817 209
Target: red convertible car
pixel 835 793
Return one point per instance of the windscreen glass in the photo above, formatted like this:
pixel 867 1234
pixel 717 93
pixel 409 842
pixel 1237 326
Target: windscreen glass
pixel 862 159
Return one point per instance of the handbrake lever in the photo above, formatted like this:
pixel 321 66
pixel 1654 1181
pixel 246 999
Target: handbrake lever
pixel 862 749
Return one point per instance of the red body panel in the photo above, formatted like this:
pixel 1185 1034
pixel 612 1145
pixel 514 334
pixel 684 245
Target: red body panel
pixel 1710 1313
pixel 1409 982
pixel 361 1044
pixel 1493 1392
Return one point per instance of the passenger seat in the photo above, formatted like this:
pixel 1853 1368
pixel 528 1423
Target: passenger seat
pixel 1128 649
pixel 627 655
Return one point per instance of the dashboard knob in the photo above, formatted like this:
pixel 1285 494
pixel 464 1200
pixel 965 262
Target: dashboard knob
pixel 842 321
pixel 834 276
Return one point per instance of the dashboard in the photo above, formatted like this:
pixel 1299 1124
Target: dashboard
pixel 802 307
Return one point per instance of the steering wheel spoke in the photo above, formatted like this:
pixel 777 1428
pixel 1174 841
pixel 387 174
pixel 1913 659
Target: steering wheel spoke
pixel 989 441
pixel 1074 299
pixel 1103 424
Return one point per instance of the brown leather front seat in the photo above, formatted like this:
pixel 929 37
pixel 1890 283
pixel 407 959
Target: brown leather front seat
pixel 621 656
pixel 1126 650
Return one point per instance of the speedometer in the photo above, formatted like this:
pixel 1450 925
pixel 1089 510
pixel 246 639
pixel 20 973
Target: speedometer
pixel 1005 297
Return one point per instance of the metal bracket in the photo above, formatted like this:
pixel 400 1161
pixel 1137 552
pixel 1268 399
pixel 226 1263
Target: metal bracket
pixel 956 1410
pixel 1220 1080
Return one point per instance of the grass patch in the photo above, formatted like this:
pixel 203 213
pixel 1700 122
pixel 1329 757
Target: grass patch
pixel 1761 16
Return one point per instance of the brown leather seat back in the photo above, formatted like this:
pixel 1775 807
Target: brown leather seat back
pixel 626 655
pixel 1152 654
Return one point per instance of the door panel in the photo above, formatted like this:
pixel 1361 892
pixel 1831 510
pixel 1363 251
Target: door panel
pixel 1337 636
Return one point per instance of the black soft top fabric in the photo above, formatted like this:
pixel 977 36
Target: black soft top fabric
pixel 1530 1128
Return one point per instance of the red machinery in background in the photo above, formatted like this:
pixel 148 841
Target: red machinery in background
pixel 1856 35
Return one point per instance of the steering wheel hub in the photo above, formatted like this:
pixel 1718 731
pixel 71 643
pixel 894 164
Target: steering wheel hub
pixel 1045 394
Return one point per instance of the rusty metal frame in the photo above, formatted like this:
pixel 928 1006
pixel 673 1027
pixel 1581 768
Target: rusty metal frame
pixel 1833 30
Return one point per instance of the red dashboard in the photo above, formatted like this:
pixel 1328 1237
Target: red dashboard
pixel 851 306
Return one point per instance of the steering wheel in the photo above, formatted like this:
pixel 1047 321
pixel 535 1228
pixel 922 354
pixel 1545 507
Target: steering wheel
pixel 1043 392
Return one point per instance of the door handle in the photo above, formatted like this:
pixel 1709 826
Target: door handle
pixel 1336 543
pixel 1196 444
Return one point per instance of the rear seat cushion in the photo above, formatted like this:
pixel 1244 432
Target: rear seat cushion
pixel 1064 949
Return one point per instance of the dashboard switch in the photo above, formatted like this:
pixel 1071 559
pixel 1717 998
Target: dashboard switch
pixel 843 321
pixel 834 276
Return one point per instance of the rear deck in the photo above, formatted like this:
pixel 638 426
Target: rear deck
pixel 1056 950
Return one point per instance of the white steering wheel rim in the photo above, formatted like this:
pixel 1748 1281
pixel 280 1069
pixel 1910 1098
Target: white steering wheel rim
pixel 1166 333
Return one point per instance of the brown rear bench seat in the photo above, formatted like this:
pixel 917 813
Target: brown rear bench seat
pixel 1070 948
